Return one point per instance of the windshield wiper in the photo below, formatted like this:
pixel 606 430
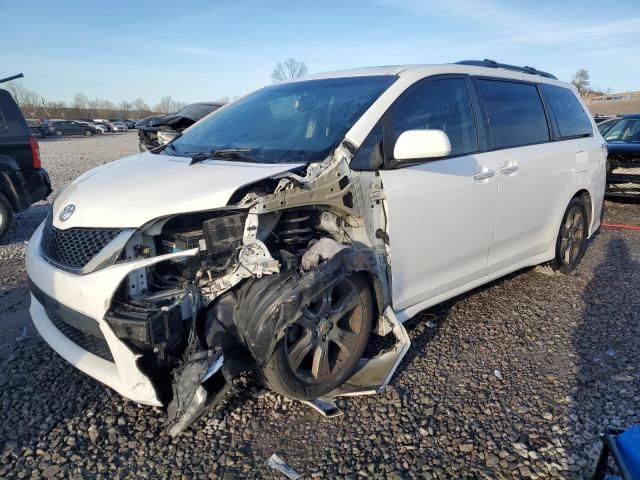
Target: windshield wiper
pixel 239 154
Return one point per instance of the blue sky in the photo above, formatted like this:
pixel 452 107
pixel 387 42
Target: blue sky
pixel 205 50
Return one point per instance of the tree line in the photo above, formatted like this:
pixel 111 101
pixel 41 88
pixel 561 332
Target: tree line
pixel 34 105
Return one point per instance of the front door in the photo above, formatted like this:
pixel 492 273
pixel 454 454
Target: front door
pixel 440 212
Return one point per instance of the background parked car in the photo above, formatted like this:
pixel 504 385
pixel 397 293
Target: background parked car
pixel 601 118
pixel 622 135
pixel 99 128
pixel 171 125
pixel 118 127
pixel 103 121
pixel 128 123
pixel 67 127
pixel 22 180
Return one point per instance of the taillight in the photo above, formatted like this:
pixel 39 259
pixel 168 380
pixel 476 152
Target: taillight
pixel 35 153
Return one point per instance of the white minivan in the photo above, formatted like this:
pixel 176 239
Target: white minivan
pixel 285 231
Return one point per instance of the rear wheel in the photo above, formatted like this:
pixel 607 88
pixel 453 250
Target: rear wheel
pixel 321 350
pixel 87 133
pixel 572 239
pixel 58 133
pixel 6 215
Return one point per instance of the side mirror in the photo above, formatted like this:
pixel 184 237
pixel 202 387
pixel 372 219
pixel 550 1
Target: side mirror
pixel 421 144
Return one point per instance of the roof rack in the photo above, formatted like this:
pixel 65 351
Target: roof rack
pixel 13 77
pixel 493 64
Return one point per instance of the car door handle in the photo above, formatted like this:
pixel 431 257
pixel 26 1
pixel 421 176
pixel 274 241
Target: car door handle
pixel 484 174
pixel 509 169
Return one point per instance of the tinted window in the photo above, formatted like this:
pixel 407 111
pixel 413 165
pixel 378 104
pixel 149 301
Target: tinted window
pixel 569 114
pixel 440 105
pixel 515 112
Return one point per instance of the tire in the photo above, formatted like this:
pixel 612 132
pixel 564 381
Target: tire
pixel 87 133
pixel 315 335
pixel 572 239
pixel 58 133
pixel 6 216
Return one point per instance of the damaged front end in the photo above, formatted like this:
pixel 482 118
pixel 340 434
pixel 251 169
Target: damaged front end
pixel 240 279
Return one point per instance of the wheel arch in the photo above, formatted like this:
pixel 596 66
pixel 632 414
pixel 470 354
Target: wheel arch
pixel 588 203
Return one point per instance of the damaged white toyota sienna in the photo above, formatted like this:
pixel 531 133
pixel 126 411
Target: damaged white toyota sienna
pixel 286 230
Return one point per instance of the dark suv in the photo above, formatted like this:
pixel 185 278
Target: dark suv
pixel 622 135
pixel 22 180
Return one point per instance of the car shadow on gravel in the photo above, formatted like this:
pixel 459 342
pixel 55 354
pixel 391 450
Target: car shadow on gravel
pixel 424 326
pixel 25 223
pixel 606 343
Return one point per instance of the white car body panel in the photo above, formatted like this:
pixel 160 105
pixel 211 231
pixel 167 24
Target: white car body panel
pixel 438 207
pixel 134 190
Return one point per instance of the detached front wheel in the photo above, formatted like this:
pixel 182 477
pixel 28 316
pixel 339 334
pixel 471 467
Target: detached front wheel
pixel 321 350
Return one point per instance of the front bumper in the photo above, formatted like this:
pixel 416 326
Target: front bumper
pixel 624 182
pixel 87 296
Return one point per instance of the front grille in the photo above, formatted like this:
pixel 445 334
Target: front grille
pixel 85 340
pixel 72 249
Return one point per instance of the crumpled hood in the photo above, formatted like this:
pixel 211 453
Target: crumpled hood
pixel 134 190
pixel 173 120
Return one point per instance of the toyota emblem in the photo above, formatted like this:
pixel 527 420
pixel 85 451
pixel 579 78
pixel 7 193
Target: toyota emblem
pixel 66 212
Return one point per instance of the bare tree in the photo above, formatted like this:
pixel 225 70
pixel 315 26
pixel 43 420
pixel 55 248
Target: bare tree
pixel 125 107
pixel 165 105
pixel 140 106
pixel 169 105
pixel 80 101
pixel 177 106
pixel 17 90
pixel 581 81
pixel 290 68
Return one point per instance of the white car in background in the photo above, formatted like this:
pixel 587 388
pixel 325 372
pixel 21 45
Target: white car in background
pixel 283 231
pixel 119 127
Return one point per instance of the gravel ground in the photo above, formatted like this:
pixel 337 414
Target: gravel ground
pixel 512 380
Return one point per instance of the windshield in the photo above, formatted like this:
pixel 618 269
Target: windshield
pixel 285 123
pixel 626 130
pixel 196 111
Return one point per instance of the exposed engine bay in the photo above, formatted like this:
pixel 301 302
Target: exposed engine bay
pixel 293 273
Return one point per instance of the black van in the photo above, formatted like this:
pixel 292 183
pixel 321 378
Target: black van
pixel 23 181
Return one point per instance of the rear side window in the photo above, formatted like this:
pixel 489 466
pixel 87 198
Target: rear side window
pixel 568 112
pixel 440 105
pixel 515 113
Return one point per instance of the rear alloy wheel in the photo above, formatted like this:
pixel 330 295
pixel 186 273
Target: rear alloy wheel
pixel 58 133
pixel 87 133
pixel 6 215
pixel 321 350
pixel 572 239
